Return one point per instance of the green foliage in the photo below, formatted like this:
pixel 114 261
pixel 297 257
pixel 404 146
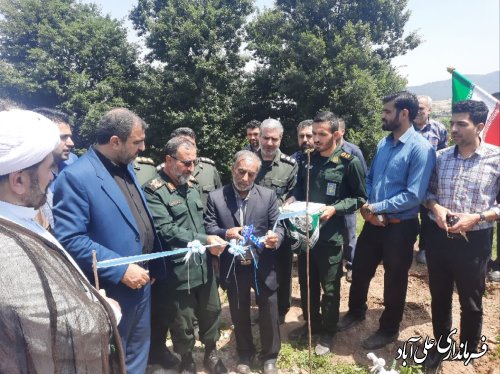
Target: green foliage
pixel 198 75
pixel 65 54
pixel 328 55
pixel 296 355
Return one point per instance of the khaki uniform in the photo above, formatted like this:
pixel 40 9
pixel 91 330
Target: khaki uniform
pixel 144 169
pixel 339 181
pixel 281 176
pixel 207 178
pixel 189 292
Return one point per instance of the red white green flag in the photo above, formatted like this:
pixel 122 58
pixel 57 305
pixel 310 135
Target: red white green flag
pixel 463 89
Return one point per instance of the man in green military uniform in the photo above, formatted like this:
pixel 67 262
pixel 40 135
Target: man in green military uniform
pixel 206 176
pixel 337 179
pixel 278 172
pixel 189 292
pixel 144 169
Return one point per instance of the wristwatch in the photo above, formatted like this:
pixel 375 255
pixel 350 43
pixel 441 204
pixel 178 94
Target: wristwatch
pixel 482 217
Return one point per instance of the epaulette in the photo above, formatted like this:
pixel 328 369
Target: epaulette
pixel 192 180
pixel 145 160
pixel 206 160
pixel 347 156
pixel 287 159
pixel 160 167
pixel 156 183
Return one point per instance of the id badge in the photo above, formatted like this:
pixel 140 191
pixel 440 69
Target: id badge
pixel 331 188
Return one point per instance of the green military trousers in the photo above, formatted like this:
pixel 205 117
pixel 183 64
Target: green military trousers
pixel 325 271
pixel 184 307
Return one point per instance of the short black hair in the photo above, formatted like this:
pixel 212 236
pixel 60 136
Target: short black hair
pixel 183 131
pixel 117 122
pixel 253 124
pixel 404 100
pixel 54 115
pixel 328 117
pixel 478 111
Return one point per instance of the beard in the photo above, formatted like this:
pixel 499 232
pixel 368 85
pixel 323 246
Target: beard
pixel 391 126
pixel 183 179
pixel 36 196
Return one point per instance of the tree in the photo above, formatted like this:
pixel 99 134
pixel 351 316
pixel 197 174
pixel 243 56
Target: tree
pixel 328 55
pixel 65 54
pixel 195 77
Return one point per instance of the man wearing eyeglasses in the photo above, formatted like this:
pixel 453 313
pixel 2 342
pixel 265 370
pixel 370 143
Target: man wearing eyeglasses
pixel 461 198
pixel 189 292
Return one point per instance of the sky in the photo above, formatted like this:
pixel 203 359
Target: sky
pixel 464 34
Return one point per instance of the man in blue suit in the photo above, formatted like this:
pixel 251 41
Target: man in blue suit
pixel 98 205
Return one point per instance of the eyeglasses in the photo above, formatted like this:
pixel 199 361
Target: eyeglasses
pixel 186 162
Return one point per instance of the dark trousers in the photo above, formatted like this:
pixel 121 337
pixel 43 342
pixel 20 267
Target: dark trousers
pixel 425 224
pixel 178 310
pixel 135 328
pixel 350 248
pixel 284 273
pixel 393 245
pixel 456 261
pixel 325 271
pixel 238 292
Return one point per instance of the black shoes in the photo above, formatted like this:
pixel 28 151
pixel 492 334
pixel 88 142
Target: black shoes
pixel 187 365
pixel 162 359
pixel 379 340
pixel 270 367
pixel 348 321
pixel 324 344
pixel 302 332
pixel 212 362
pixel 433 359
pixel 244 364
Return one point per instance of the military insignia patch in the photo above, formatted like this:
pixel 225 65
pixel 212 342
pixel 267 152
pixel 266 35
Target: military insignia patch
pixel 346 155
pixel 171 187
pixel 175 202
pixel 156 183
pixel 331 189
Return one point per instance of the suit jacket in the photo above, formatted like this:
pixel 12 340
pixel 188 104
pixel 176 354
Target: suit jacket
pixel 262 211
pixel 91 213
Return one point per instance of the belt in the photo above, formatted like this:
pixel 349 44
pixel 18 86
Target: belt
pixel 393 220
pixel 245 262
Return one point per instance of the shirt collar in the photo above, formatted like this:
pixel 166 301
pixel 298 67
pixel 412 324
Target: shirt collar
pixel 480 151
pixel 16 213
pixel 403 138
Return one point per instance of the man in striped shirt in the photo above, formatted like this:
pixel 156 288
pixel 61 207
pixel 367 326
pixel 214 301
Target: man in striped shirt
pixel 461 198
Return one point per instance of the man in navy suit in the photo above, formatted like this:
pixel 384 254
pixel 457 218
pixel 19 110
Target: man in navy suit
pixel 98 205
pixel 229 209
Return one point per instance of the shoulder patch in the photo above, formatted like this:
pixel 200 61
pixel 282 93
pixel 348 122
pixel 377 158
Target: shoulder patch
pixel 206 160
pixel 145 160
pixel 347 156
pixel 160 167
pixel 287 159
pixel 155 183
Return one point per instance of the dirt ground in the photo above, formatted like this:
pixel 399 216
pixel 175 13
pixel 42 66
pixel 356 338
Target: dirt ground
pixel 416 322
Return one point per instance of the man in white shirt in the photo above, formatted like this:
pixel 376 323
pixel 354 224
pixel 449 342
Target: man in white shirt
pixel 51 318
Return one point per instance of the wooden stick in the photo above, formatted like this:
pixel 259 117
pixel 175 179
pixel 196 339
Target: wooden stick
pixel 94 268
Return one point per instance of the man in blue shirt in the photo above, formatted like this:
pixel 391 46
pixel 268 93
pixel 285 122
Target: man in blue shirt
pixel 396 185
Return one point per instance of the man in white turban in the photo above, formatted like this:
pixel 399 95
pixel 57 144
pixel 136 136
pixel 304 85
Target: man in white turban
pixel 51 318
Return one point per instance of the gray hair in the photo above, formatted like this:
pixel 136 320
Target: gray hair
pixel 304 124
pixel 174 144
pixel 272 124
pixel 246 155
pixel 427 98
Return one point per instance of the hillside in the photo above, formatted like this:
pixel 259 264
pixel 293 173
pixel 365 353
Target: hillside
pixel 441 90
